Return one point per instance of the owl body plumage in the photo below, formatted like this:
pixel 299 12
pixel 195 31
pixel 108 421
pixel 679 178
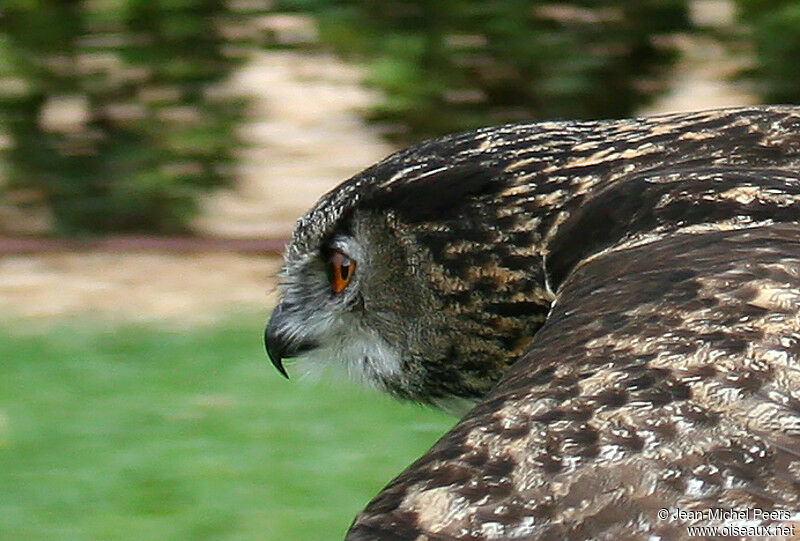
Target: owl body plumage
pixel 620 298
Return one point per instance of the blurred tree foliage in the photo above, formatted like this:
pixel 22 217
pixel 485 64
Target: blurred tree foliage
pixel 111 108
pixel 775 30
pixel 457 64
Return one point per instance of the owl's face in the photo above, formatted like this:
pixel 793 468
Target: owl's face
pixel 360 300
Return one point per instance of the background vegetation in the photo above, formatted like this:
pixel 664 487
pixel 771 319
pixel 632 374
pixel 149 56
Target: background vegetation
pixel 774 28
pixel 113 111
pixel 136 433
pixel 454 65
pixel 114 117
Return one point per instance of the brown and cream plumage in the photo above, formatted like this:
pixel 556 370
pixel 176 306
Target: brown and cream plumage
pixel 620 298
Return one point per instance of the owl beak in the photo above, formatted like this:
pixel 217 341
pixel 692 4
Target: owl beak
pixel 281 345
pixel 276 343
pixel 274 352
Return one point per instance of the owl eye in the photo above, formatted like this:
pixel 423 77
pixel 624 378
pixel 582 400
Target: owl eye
pixel 340 270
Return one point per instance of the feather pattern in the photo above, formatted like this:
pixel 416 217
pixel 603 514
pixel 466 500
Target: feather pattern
pixel 666 373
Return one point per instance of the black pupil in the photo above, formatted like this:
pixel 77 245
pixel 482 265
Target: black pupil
pixel 345 269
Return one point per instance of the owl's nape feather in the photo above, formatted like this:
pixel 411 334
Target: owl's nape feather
pixel 649 269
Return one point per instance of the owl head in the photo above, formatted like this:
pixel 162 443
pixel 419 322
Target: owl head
pixel 417 275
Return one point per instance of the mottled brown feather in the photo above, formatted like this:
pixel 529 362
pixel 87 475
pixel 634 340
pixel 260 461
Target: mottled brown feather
pixel 666 373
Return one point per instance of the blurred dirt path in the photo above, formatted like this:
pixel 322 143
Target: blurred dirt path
pixel 134 286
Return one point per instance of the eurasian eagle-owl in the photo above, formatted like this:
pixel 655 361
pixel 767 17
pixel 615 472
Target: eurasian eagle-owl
pixel 617 299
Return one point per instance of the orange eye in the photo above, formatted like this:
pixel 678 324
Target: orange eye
pixel 341 269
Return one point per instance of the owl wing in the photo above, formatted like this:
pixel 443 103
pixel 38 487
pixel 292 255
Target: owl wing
pixel 667 376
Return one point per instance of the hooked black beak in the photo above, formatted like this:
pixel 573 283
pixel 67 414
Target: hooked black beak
pixel 275 347
pixel 279 345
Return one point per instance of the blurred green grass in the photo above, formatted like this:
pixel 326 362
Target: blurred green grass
pixel 141 431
